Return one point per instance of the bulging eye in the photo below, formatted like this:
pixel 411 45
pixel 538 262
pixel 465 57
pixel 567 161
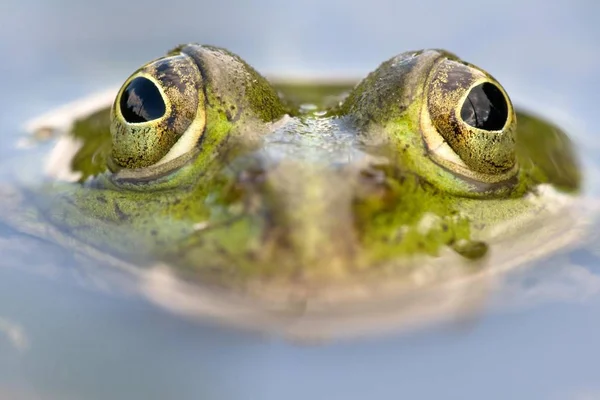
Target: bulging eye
pixel 485 108
pixel 470 123
pixel 159 113
pixel 141 101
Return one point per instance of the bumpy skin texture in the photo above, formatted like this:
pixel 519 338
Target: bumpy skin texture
pixel 316 200
pixel 206 84
pixel 413 102
pixel 137 145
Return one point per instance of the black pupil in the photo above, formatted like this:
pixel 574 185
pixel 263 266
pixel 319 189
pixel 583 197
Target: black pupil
pixel 485 108
pixel 141 101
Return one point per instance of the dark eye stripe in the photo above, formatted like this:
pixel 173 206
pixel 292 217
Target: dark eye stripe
pixel 141 101
pixel 485 108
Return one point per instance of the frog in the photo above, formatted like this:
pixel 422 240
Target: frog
pixel 268 204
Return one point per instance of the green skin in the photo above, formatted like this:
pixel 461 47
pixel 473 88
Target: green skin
pixel 271 196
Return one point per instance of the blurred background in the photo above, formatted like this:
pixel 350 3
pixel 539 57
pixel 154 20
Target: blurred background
pixel 61 341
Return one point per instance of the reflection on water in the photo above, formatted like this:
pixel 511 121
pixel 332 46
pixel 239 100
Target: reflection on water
pixel 69 332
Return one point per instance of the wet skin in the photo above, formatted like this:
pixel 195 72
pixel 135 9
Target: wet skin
pixel 209 169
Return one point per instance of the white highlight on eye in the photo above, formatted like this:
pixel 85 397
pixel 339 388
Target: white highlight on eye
pixel 443 150
pixel 192 134
pixel 188 140
pixel 436 144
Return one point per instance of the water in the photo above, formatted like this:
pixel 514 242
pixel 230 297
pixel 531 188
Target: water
pixel 62 339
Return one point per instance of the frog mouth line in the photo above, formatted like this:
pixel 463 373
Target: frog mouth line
pixel 500 188
pixel 153 172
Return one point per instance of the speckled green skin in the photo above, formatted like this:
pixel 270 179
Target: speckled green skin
pixel 317 199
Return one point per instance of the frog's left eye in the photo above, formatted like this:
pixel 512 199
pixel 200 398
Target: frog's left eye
pixel 159 113
pixel 469 123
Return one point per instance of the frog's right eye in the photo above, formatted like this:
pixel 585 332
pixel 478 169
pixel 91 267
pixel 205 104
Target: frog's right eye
pixel 158 114
pixel 469 124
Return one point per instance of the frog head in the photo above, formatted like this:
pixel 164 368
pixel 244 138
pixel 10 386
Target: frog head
pixel 213 173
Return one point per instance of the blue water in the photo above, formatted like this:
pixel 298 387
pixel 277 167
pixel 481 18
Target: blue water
pixel 62 340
